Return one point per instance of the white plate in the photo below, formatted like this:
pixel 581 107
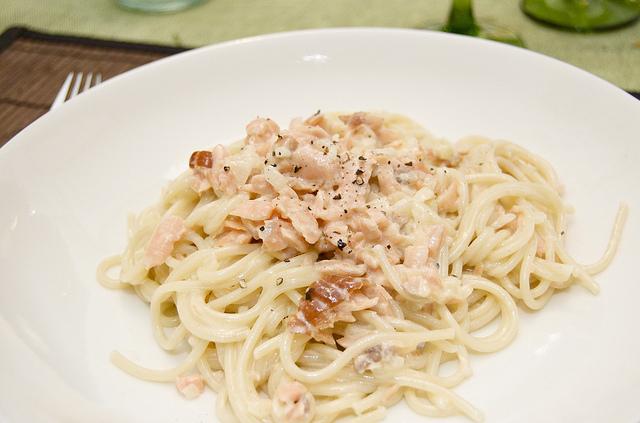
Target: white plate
pixel 68 181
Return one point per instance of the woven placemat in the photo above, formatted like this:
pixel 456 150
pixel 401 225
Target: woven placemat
pixel 34 65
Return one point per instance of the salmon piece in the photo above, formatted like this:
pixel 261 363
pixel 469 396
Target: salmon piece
pixel 416 256
pixel 234 237
pixel 307 156
pixel 434 239
pixel 426 285
pixel 353 121
pixel 368 227
pixel 319 119
pixel 221 177
pixel 259 185
pixel 367 125
pixel 374 357
pixel 279 234
pixel 326 302
pixel 299 213
pixel 292 403
pixel 190 386
pixel 376 291
pixel 354 183
pixel 254 210
pixel 200 162
pixel 207 167
pixel 315 165
pixel 168 231
pixel 233 222
pixel 448 200
pixel 261 134
pixel 387 179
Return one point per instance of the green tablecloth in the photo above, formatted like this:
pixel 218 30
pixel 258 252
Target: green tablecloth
pixel 614 56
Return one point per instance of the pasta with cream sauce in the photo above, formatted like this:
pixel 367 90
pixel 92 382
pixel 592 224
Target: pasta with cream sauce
pixel 329 270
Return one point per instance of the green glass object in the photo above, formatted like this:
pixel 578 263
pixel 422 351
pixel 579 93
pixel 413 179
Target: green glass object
pixel 629 4
pixel 462 21
pixel 582 15
pixel 158 6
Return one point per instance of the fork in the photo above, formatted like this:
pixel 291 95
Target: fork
pixel 68 90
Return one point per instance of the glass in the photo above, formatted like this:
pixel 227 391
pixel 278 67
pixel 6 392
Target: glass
pixel 462 21
pixel 629 4
pixel 158 6
pixel 582 15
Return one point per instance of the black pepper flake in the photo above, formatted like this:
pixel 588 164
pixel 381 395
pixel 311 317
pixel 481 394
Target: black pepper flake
pixel 388 246
pixel 273 153
pixel 279 281
pixel 287 260
pixel 337 197
pixel 361 158
pixel 226 168
pixel 279 136
pixel 562 233
pixel 341 244
pixel 359 172
pixel 409 164
pixel 307 295
pixel 262 228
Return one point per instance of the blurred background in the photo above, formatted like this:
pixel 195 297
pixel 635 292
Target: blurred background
pixel 106 35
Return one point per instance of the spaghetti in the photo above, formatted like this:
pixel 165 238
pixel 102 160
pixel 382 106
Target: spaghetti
pixel 331 269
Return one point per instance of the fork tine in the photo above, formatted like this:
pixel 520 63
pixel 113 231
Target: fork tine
pixel 64 90
pixel 76 86
pixel 67 92
pixel 87 82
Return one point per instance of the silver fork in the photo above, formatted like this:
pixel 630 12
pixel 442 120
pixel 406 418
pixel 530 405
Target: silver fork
pixel 67 92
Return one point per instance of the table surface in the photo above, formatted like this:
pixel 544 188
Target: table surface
pixel 614 55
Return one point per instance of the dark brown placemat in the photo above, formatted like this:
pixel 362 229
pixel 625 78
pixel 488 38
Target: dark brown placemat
pixel 33 66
